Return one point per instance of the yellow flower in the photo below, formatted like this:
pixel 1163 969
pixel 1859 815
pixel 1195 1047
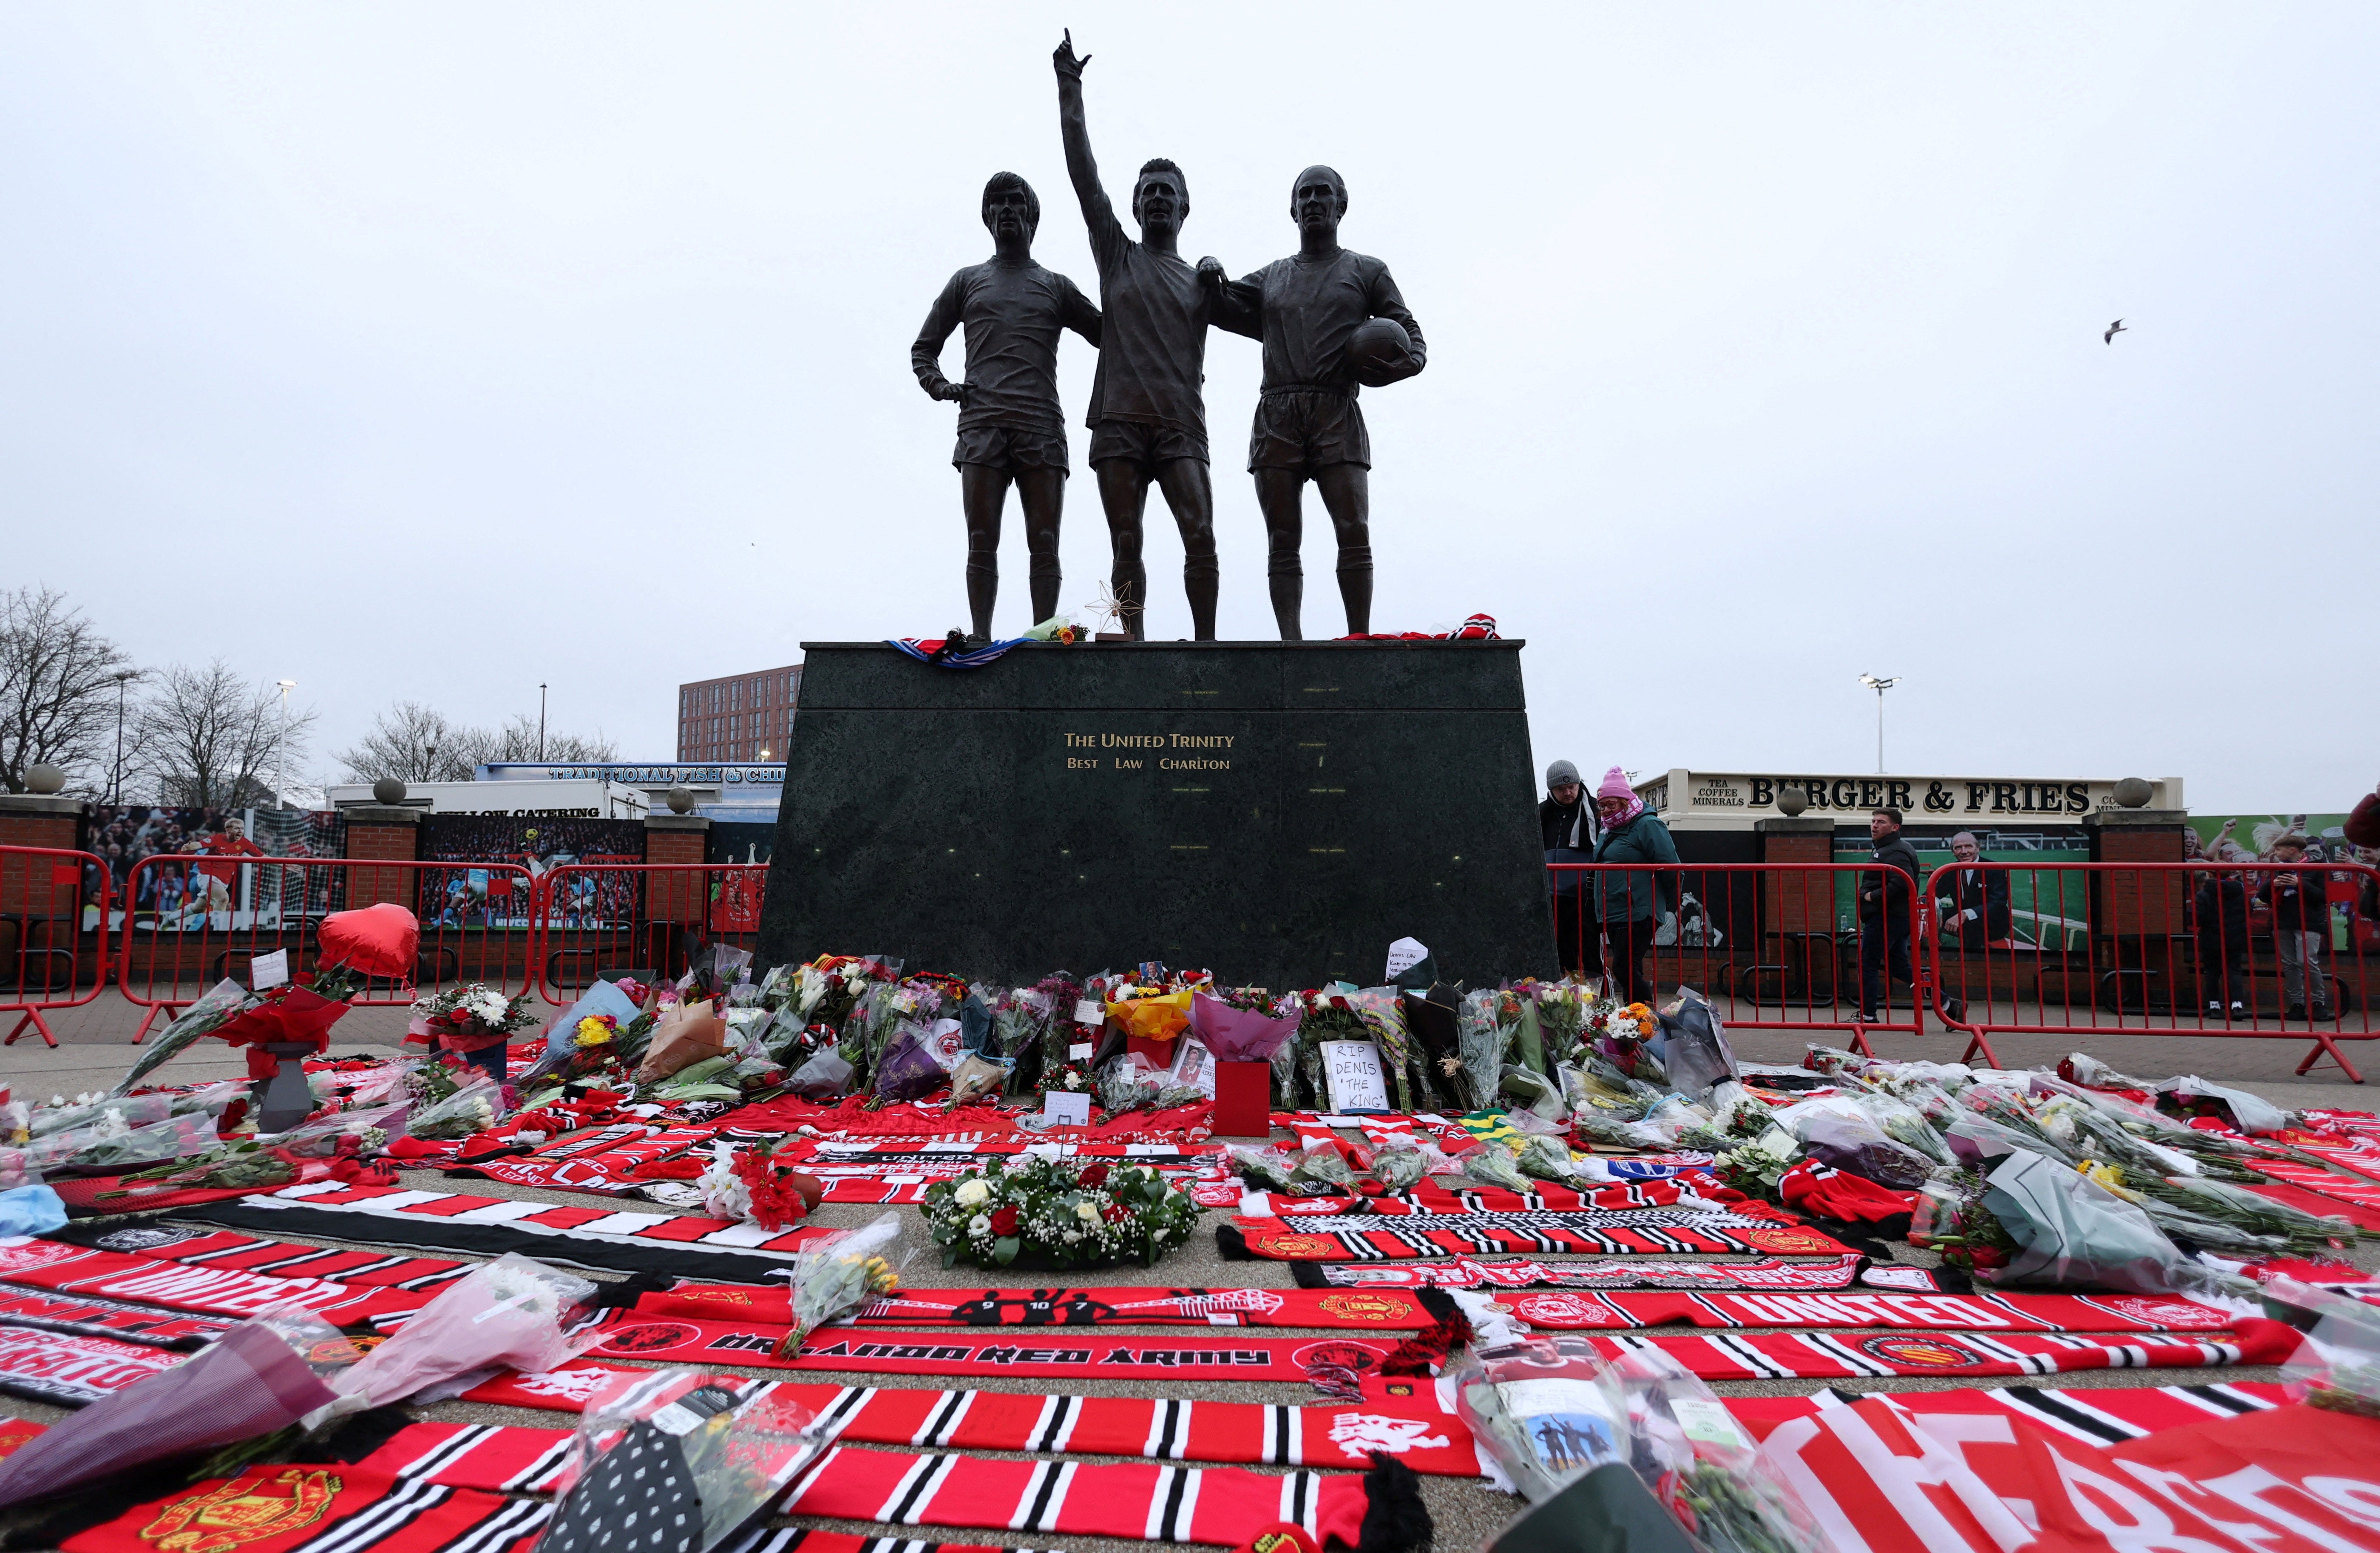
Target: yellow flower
pixel 594 1030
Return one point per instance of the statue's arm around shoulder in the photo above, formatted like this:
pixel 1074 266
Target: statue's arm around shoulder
pixel 1236 306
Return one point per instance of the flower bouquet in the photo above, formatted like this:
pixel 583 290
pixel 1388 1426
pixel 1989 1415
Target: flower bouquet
pixel 737 1456
pixel 468 1018
pixel 1052 1214
pixel 509 1311
pixel 1243 1024
pixel 1545 1156
pixel 465 1108
pixel 749 1184
pixel 1757 1167
pixel 1497 1164
pixel 214 1008
pixel 1267 1167
pixel 840 1274
pixel 1950 1219
pixel 1321 1170
pixel 1702 1465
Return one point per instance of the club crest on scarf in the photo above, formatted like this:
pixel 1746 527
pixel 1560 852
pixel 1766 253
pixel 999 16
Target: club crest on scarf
pixel 1927 1352
pixel 1365 1308
pixel 649 1337
pixel 1359 1434
pixel 1787 1240
pixel 245 1510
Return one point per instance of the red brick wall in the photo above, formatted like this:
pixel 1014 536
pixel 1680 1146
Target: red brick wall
pixel 675 897
pixel 368 887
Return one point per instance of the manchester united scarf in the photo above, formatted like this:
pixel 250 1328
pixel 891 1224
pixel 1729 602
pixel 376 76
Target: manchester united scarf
pixel 279 1258
pixel 608 1169
pixel 801 1539
pixel 1413 1432
pixel 89 1315
pixel 686 1341
pixel 1225 1505
pixel 616 1242
pixel 1829 1355
pixel 2289 1479
pixel 53 1265
pixel 71 1368
pixel 1391 1310
pixel 1388 1310
pixel 1640 1232
pixel 1466 1272
pixel 2095 1415
pixel 1440 1200
pixel 331 1508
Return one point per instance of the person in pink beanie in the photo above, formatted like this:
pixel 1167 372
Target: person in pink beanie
pixel 1630 904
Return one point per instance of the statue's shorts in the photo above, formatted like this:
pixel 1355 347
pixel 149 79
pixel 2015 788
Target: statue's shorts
pixel 1143 444
pixel 1011 448
pixel 1308 430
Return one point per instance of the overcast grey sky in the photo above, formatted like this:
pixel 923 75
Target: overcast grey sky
pixel 436 350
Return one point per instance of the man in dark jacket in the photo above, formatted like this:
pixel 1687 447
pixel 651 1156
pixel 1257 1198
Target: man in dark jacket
pixel 1883 894
pixel 2301 929
pixel 2222 914
pixel 1567 820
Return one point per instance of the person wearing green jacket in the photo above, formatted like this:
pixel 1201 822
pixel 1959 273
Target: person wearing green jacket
pixel 1629 903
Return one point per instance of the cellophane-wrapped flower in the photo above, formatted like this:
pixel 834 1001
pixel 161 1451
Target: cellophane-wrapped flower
pixel 510 1311
pixel 841 1274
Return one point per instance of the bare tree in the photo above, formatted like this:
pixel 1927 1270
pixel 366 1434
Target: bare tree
pixel 210 739
pixel 415 742
pixel 516 740
pixel 57 686
pixel 412 743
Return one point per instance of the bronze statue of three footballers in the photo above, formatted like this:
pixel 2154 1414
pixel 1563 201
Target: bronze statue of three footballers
pixel 1330 322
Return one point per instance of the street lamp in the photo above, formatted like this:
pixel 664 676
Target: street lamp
pixel 541 722
pixel 1879 686
pixel 281 746
pixel 121 677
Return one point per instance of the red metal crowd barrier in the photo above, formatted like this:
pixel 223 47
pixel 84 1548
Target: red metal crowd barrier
pixel 53 909
pixel 1795 946
pixel 595 918
pixel 2243 950
pixel 191 919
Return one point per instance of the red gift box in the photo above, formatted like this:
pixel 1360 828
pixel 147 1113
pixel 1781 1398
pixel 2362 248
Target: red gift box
pixel 1243 1099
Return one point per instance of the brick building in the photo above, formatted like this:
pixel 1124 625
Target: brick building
pixel 742 717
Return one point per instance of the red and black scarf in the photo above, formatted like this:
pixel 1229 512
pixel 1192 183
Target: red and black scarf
pixel 1646 1232
pixel 53 1265
pixel 335 1507
pixel 1465 1272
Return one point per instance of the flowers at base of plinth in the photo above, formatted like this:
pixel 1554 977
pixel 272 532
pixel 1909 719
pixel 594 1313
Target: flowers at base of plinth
pixel 1057 1213
pixel 750 1186
pixel 469 1013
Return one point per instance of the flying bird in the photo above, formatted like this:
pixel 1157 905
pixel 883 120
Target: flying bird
pixel 2113 330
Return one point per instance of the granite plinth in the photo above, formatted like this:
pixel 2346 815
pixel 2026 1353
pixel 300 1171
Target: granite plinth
pixel 1277 813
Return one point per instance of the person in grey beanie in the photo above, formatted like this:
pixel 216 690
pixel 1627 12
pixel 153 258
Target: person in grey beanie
pixel 1567 820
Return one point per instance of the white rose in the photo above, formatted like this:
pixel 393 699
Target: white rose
pixel 979 1225
pixel 1074 1079
pixel 1070 1237
pixel 1087 1212
pixel 971 1192
pixel 1157 1235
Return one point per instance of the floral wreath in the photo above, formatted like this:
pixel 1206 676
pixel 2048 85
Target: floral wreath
pixel 1053 1213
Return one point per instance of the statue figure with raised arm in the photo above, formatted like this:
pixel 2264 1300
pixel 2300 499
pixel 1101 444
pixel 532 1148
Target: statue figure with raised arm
pixel 1148 413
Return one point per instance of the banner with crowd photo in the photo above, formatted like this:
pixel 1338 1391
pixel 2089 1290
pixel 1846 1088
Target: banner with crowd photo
pixel 218 887
pixel 736 896
pixel 2250 838
pixel 590 897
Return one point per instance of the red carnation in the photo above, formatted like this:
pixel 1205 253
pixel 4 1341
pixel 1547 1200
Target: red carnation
pixel 1116 1213
pixel 458 1016
pixel 1094 1174
pixel 1004 1222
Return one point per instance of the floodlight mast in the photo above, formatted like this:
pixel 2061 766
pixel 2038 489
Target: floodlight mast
pixel 1879 686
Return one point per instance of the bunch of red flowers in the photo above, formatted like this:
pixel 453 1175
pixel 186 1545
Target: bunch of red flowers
pixel 775 1205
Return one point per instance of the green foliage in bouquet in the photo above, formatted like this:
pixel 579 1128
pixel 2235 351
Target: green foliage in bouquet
pixel 1052 1213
